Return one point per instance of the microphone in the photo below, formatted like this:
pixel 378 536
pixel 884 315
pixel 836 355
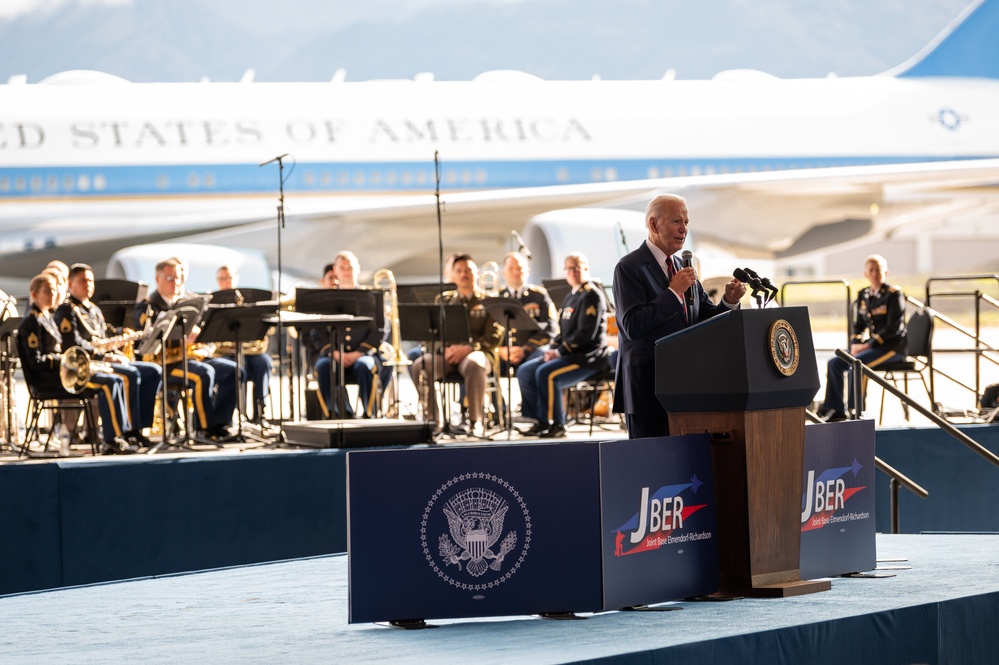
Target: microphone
pixel 523 246
pixel 743 275
pixel 688 262
pixel 275 159
pixel 770 291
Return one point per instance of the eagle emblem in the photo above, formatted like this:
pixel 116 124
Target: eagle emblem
pixel 475 521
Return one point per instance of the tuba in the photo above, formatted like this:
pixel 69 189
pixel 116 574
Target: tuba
pixel 394 356
pixel 76 368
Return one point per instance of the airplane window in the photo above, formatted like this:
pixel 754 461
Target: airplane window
pixel 709 170
pixel 83 183
pixel 342 178
pixel 100 183
pixel 562 174
pixel 681 171
pixel 695 170
pixel 68 182
pixel 309 178
pixel 162 181
pixel 653 172
pixel 209 180
pixel 376 177
pixel 52 183
pixel 359 178
pixel 450 177
pixel 466 177
pixel 667 172
pixel 611 174
pixel 4 184
pixel 407 178
pixel 20 184
pixel 421 177
pixel 327 179
pixel 192 180
pixel 390 177
pixel 596 175
pixel 481 177
pixel 36 183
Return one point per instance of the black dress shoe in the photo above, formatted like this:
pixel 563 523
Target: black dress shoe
pixel 535 429
pixel 118 446
pixel 556 431
pixel 831 415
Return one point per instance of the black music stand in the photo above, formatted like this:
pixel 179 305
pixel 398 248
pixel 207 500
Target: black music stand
pixel 432 325
pixel 7 328
pixel 520 327
pixel 422 294
pixel 176 324
pixel 117 299
pixel 247 296
pixel 358 303
pixel 237 324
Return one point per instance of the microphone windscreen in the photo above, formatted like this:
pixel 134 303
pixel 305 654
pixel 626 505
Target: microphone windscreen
pixel 741 275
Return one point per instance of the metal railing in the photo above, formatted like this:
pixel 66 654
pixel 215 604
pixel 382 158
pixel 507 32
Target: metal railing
pixel 860 368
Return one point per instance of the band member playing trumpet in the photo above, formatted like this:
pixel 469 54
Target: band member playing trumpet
pixel 361 358
pixel 40 346
pixel 213 380
pixel 81 323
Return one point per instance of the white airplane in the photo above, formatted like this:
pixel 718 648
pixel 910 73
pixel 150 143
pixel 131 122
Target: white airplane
pixel 90 163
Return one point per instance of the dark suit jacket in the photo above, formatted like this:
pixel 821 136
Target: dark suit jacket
pixel 647 311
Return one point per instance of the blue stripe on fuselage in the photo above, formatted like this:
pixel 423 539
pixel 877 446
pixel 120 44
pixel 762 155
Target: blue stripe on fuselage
pixel 395 177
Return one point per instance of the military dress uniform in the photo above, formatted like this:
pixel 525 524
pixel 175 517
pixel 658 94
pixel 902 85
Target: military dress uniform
pixel 485 334
pixel 142 380
pixel 213 380
pixel 40 345
pixel 879 317
pixel 582 345
pixel 363 371
pixel 539 306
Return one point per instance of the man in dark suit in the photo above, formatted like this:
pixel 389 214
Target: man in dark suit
pixel 649 291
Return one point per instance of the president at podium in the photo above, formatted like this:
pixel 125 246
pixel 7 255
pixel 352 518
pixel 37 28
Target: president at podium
pixel 656 295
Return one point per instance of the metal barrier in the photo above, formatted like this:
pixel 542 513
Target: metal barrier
pixel 980 349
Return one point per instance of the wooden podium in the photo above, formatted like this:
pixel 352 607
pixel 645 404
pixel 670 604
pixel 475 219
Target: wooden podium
pixel 745 377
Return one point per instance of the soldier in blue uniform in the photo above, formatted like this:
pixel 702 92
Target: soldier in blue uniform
pixel 878 335
pixel 81 323
pixel 213 380
pixel 361 357
pixel 40 346
pixel 537 303
pixel 578 352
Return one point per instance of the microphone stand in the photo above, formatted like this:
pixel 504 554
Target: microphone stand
pixel 442 401
pixel 281 437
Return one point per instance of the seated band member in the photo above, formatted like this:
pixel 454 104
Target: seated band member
pixel 81 323
pixel 879 334
pixel 40 347
pixel 213 380
pixel 473 361
pixel 578 352
pixel 257 362
pixel 361 358
pixel 537 303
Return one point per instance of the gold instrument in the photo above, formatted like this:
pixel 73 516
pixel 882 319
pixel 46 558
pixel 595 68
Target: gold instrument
pixel 116 342
pixel 76 368
pixel 393 354
pixel 489 278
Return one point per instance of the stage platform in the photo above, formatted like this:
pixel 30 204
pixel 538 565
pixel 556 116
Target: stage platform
pixel 941 606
